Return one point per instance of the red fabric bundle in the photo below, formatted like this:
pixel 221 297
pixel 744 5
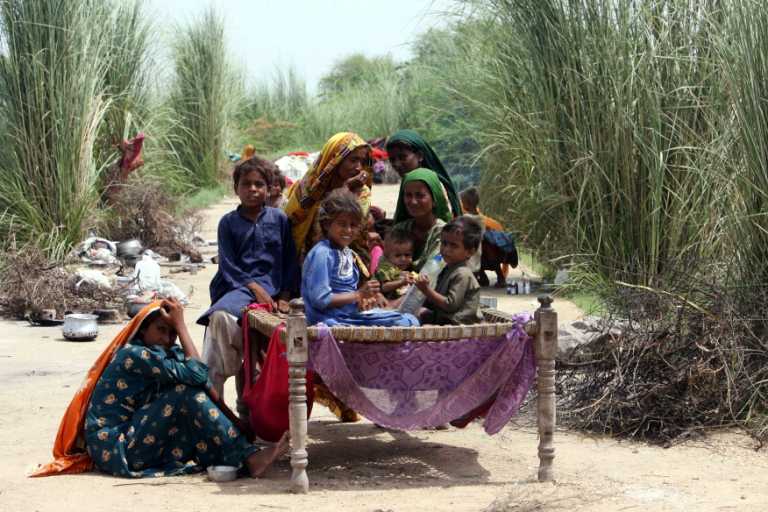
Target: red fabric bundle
pixel 267 398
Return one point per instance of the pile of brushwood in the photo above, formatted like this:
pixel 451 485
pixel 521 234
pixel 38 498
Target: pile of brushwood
pixel 682 364
pixel 144 211
pixel 31 282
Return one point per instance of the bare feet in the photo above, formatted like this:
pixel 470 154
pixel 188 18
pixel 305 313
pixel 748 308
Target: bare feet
pixel 258 462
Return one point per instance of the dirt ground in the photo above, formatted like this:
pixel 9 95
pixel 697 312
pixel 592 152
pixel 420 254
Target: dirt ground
pixel 359 466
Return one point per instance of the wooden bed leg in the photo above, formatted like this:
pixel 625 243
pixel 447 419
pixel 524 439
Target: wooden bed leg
pixel 545 345
pixel 297 352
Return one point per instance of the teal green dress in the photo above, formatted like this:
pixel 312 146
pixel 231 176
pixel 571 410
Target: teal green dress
pixel 150 415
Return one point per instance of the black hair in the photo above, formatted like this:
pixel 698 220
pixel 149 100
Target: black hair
pixel 279 179
pixel 383 227
pixel 399 236
pixel 338 202
pixel 258 164
pixel 402 144
pixel 471 231
pixel 471 198
pixel 151 317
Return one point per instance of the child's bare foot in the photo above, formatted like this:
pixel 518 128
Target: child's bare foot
pixel 258 462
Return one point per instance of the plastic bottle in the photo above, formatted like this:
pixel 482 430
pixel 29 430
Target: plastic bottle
pixel 414 299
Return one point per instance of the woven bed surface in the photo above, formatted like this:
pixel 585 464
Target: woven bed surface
pixel 497 324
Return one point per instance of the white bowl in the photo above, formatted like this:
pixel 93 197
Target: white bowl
pixel 222 473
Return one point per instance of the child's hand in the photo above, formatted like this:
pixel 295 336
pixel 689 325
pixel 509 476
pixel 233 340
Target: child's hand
pixel 261 295
pixel 422 283
pixel 370 288
pixel 408 277
pixel 283 306
pixel 365 303
pixel 380 301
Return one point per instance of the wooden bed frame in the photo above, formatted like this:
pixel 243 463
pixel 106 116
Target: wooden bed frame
pixel 297 336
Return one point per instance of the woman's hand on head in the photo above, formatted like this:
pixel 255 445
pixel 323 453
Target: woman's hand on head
pixel 172 312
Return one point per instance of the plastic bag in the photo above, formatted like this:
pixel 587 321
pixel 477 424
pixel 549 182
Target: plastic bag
pixel 414 299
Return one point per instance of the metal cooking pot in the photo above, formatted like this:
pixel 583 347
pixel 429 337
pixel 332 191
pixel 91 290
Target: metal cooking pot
pixel 129 249
pixel 134 308
pixel 80 327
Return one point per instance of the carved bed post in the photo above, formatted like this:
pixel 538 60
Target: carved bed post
pixel 297 352
pixel 545 345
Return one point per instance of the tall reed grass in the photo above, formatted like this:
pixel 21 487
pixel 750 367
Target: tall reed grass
pixel 604 133
pixel 283 97
pixel 373 109
pixel 204 94
pixel 128 77
pixel 745 58
pixel 280 115
pixel 52 104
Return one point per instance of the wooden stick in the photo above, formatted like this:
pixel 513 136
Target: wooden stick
pixel 297 352
pixel 545 346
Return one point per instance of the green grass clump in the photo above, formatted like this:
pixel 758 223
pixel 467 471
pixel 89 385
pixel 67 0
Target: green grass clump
pixel 205 197
pixel 52 102
pixel 205 91
pixel 601 131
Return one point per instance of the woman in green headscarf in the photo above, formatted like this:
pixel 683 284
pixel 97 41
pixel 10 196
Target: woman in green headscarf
pixel 425 212
pixel 408 151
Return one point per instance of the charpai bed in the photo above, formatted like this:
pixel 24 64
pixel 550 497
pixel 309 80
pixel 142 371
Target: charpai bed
pixel 498 329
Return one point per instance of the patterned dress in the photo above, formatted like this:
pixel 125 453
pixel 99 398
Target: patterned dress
pixel 150 415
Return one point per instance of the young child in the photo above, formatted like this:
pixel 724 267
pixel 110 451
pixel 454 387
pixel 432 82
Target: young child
pixel 257 263
pixel 330 274
pixel 276 197
pixel 498 247
pixel 394 272
pixel 456 297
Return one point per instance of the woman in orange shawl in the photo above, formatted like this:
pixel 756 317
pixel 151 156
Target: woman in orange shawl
pixel 345 161
pixel 146 409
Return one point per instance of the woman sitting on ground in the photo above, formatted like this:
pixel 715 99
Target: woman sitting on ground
pixel 151 409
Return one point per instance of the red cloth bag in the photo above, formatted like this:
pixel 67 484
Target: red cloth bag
pixel 267 398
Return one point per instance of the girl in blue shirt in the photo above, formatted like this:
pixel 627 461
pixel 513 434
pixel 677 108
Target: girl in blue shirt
pixel 331 272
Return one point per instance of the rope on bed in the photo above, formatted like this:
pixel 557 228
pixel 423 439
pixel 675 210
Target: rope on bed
pixel 497 324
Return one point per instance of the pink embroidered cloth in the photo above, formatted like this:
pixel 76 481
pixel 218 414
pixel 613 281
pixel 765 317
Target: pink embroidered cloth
pixel 423 384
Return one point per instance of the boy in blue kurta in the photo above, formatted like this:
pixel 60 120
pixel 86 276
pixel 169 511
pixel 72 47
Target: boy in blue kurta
pixel 152 412
pixel 330 274
pixel 257 263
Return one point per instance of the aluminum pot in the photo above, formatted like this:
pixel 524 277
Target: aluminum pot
pixel 80 327
pixel 133 308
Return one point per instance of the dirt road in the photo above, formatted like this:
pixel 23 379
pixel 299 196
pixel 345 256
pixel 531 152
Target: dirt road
pixel 358 466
